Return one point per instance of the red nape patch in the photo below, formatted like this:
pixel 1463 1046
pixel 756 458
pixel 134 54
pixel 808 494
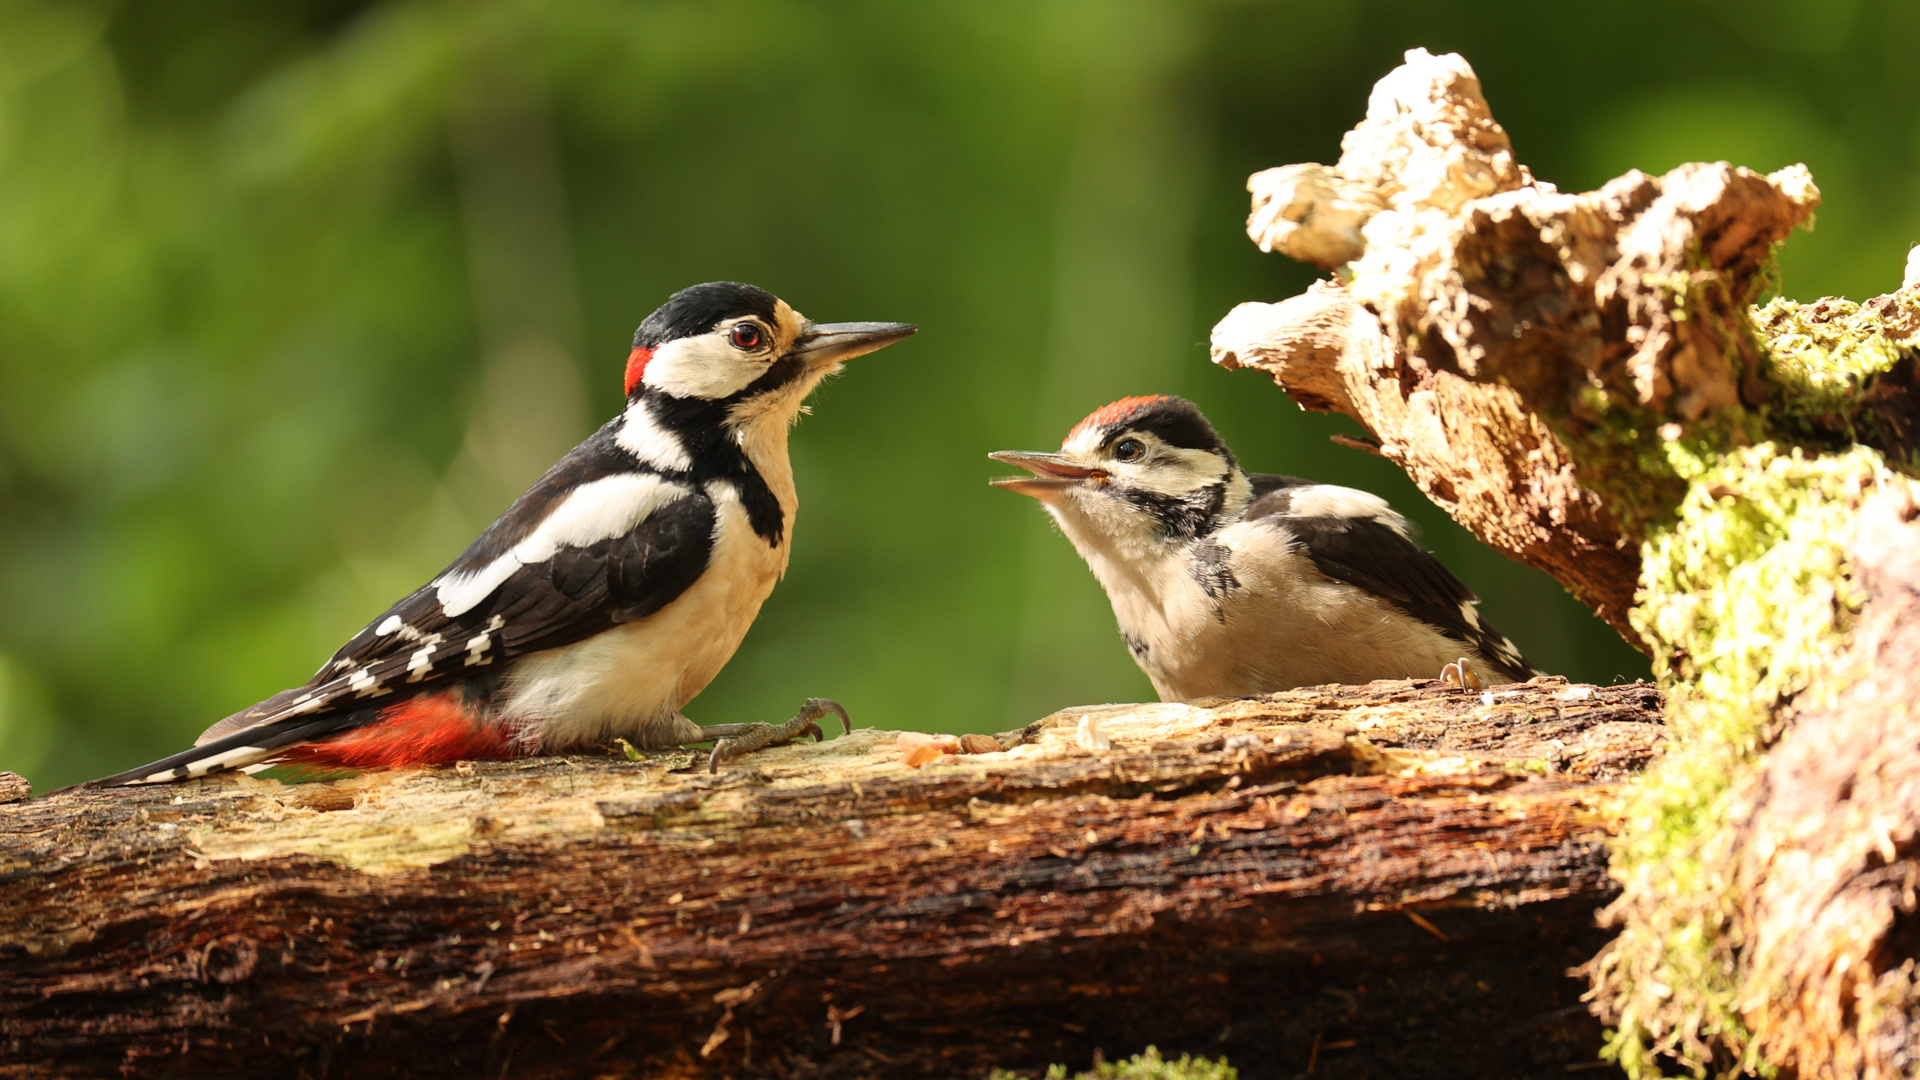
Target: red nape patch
pixel 1115 413
pixel 637 367
pixel 433 729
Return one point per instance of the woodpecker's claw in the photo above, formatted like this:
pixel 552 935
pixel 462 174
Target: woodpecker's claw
pixel 738 740
pixel 1460 674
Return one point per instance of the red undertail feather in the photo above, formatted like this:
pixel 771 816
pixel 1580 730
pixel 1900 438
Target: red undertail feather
pixel 637 367
pixel 1115 413
pixel 432 729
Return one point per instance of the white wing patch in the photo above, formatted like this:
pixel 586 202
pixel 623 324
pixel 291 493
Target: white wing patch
pixel 420 664
pixel 393 624
pixel 601 510
pixel 477 647
pixel 1332 500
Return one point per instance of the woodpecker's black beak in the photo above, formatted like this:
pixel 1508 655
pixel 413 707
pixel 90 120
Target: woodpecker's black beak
pixel 821 344
pixel 1052 473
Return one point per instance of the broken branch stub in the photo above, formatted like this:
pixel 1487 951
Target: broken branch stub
pixel 1428 140
pixel 1482 314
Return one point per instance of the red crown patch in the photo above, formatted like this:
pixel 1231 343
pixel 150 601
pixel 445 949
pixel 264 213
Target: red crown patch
pixel 1118 412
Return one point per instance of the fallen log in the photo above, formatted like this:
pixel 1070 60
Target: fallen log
pixel 1341 877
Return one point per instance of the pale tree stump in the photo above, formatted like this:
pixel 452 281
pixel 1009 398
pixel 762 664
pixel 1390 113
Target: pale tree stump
pixel 1582 381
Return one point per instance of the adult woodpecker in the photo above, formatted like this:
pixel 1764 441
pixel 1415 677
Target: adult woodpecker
pixel 608 595
pixel 1228 584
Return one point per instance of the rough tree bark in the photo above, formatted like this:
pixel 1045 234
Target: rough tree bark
pixel 1341 875
pixel 1581 381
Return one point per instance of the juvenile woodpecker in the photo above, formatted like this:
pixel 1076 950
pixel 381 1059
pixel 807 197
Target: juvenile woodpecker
pixel 608 595
pixel 1228 584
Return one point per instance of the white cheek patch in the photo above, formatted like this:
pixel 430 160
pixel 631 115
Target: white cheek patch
pixel 1171 470
pixel 643 437
pixel 601 510
pixel 1163 470
pixel 705 367
pixel 1331 500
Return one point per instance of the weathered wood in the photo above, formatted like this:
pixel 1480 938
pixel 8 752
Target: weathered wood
pixel 1581 379
pixel 1825 861
pixel 1388 864
pixel 1488 321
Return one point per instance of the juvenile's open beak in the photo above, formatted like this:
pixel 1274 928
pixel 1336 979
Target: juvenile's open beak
pixel 1052 473
pixel 828 343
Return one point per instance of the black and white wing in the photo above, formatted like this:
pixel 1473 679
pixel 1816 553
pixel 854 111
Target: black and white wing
pixel 593 544
pixel 1355 537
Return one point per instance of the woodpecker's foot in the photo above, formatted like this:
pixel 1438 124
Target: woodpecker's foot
pixel 738 740
pixel 1460 673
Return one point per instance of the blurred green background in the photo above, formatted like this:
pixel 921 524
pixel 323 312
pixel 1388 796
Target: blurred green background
pixel 295 295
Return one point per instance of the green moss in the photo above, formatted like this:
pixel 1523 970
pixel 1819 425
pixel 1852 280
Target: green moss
pixel 1621 453
pixel 1822 350
pixel 1745 598
pixel 1146 1066
pixel 1815 359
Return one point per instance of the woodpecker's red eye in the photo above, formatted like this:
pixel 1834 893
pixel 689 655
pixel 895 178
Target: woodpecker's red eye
pixel 1129 450
pixel 746 336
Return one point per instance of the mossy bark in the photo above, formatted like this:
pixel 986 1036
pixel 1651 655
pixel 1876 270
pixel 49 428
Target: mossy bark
pixel 1583 381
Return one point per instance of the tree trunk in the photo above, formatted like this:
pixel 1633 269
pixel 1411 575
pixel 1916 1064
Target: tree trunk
pixel 1346 877
pixel 1581 381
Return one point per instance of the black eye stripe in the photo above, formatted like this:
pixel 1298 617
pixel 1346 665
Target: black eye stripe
pixel 1175 422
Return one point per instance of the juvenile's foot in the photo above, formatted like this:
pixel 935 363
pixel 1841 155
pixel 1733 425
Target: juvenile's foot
pixel 738 740
pixel 1460 673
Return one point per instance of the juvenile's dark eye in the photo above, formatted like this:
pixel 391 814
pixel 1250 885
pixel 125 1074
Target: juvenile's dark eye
pixel 746 336
pixel 1129 450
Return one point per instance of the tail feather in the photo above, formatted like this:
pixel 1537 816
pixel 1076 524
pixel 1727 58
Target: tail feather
pixel 241 750
pixel 426 729
pixel 294 703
